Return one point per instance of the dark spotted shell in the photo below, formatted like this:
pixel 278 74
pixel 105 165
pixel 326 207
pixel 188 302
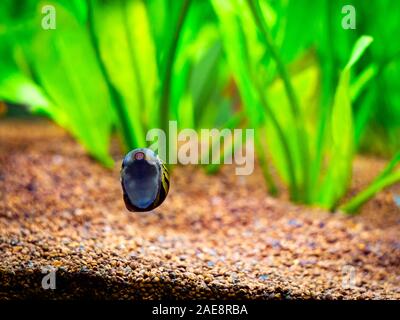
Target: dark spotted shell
pixel 144 180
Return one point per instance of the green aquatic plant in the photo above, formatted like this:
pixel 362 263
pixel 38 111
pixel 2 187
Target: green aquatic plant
pixel 314 98
pixel 129 64
pixel 376 107
pixel 45 70
pixel 312 147
pixel 387 177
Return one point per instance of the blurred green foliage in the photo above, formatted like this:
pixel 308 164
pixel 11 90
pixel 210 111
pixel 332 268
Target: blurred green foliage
pixel 284 67
pixel 377 107
pixel 108 64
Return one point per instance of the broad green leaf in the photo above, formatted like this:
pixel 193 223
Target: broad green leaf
pixel 238 56
pixel 243 51
pixel 17 88
pixel 231 124
pixel 185 111
pixel 204 78
pixel 305 86
pixel 78 8
pixel 360 46
pixel 128 53
pixel 342 144
pixel 74 83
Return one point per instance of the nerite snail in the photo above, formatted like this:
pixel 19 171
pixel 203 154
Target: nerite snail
pixel 144 180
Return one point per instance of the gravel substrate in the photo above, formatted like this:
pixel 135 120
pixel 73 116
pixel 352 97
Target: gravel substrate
pixel 214 237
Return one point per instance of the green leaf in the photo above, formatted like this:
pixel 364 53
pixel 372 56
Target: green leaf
pixel 204 82
pixel 127 51
pixel 17 88
pixel 243 49
pixel 342 144
pixel 231 124
pixel 361 45
pixel 195 71
pixel 185 111
pixel 305 84
pixel 360 84
pixel 376 186
pixel 68 71
pixel 78 8
pixel 235 48
pixel 168 62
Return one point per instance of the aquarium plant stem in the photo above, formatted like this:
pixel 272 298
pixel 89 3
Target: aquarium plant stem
pixel 272 188
pixel 124 10
pixel 293 102
pixel 389 167
pixel 115 96
pixel 355 203
pixel 293 187
pixel 324 105
pixel 383 180
pixel 167 75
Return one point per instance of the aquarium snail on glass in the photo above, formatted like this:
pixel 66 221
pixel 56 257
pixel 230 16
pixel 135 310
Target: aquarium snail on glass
pixel 144 180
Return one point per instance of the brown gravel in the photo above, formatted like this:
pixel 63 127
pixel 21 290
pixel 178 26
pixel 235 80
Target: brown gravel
pixel 214 237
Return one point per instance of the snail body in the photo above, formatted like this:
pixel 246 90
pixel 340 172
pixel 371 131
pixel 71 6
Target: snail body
pixel 144 180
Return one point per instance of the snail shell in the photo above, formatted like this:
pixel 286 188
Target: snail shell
pixel 144 180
